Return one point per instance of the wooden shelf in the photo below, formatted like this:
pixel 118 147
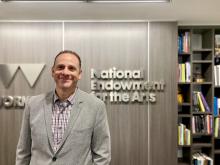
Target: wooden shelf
pixel 202 83
pixel 202 50
pixel 202 61
pixel 184 115
pixel 201 113
pixel 181 146
pixel 217 151
pixel 184 54
pixel 184 104
pixel 202 145
pixel 184 83
pixel 182 163
pixel 201 134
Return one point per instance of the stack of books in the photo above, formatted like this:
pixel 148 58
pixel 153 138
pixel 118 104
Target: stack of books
pixel 202 124
pixel 199 102
pixel 184 135
pixel 202 159
pixel 184 72
pixel 184 42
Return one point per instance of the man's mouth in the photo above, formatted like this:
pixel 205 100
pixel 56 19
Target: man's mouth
pixel 65 80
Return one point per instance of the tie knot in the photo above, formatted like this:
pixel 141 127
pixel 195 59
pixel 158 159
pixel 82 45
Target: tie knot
pixel 64 104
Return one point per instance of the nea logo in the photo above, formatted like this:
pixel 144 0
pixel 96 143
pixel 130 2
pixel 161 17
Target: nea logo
pixel 30 71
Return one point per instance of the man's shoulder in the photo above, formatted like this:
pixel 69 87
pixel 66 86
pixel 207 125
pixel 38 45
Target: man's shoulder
pixel 40 97
pixel 88 97
pixel 90 102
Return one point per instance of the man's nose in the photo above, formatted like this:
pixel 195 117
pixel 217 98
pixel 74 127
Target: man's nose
pixel 65 71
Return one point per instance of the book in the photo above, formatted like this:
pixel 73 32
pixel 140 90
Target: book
pixel 183 72
pixel 217 44
pixel 216 76
pixel 188 72
pixel 216 127
pixel 187 137
pixel 195 102
pixel 218 105
pixel 217 60
pixel 204 102
pixel 193 125
pixel 186 42
pixel 209 123
pixel 179 43
pixel 216 112
pixel 201 106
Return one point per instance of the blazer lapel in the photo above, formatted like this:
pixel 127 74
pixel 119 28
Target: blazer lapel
pixel 48 117
pixel 75 111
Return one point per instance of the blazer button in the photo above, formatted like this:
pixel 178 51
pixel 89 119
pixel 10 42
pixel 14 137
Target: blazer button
pixel 54 159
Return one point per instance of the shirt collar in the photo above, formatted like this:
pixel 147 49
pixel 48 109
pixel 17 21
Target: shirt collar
pixel 70 99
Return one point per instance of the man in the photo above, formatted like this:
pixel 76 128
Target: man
pixel 66 126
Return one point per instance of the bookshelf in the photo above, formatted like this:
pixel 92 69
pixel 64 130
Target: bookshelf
pixel 216 84
pixel 184 92
pixel 196 91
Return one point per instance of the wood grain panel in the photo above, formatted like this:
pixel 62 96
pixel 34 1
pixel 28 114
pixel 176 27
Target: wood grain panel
pixel 123 45
pixel 163 114
pixel 24 43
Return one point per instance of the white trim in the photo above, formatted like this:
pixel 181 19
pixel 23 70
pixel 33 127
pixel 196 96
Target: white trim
pixel 89 1
pixel 11 1
pixel 148 77
pixel 77 21
pixel 63 35
pixel 93 20
pixel 127 1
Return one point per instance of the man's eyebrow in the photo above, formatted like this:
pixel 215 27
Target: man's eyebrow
pixel 60 65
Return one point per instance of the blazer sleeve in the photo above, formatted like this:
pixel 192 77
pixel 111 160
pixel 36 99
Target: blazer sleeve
pixel 101 144
pixel 23 152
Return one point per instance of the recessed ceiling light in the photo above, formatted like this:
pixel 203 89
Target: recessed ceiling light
pixel 145 1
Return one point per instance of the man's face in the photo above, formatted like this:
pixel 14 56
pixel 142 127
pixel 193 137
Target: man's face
pixel 66 72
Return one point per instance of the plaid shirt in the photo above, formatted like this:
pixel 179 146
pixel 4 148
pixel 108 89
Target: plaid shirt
pixel 60 117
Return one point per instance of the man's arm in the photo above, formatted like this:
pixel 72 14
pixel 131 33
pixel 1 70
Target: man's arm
pixel 23 153
pixel 101 144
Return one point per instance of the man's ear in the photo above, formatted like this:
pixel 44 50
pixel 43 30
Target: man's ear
pixel 52 71
pixel 80 74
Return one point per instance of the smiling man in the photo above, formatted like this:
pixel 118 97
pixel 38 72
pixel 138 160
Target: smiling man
pixel 66 126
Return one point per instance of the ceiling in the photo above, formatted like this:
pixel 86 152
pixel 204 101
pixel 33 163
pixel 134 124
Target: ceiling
pixel 186 12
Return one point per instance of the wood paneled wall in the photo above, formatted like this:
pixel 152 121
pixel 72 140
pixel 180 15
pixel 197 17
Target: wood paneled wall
pixel 141 134
pixel 163 115
pixel 24 43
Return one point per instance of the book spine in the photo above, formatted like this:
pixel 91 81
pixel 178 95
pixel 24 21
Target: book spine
pixel 183 70
pixel 215 107
pixel 204 102
pixel 188 72
pixel 202 108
